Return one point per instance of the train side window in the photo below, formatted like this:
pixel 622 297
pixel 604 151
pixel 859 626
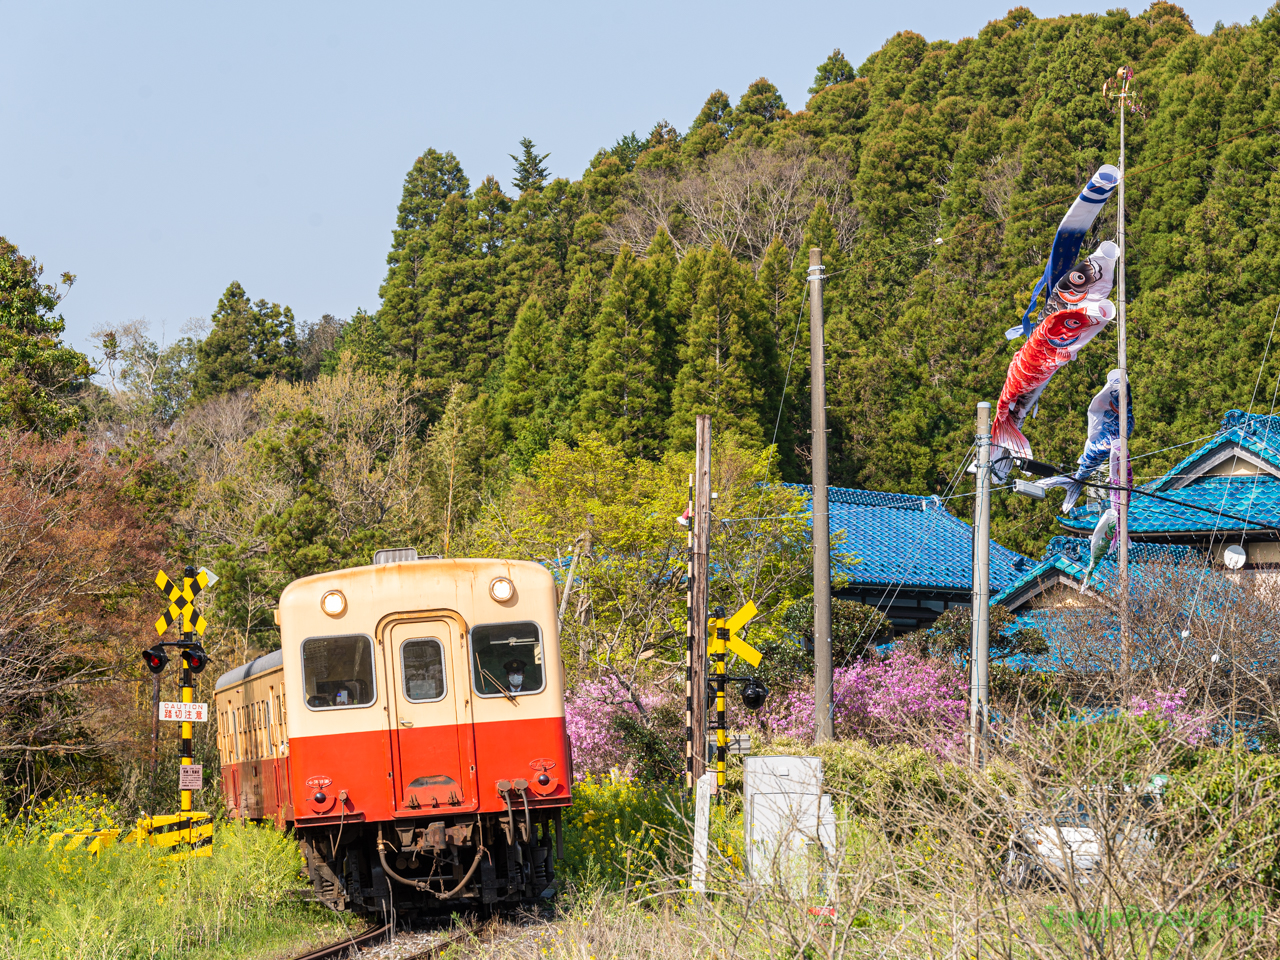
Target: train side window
pixel 507 658
pixel 271 728
pixel 338 672
pixel 422 662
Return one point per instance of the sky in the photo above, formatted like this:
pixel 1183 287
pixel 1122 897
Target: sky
pixel 161 151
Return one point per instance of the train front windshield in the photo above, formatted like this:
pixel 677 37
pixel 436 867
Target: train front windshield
pixel 507 659
pixel 338 672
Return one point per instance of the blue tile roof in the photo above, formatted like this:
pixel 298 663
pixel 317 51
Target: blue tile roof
pixel 1070 555
pixel 1200 501
pixel 892 539
pixel 1087 637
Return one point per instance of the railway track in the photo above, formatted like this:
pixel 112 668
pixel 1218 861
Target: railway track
pixel 370 939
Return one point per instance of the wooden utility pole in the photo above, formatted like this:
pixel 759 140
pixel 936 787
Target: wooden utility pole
pixel 155 728
pixel 822 665
pixel 696 626
pixel 979 649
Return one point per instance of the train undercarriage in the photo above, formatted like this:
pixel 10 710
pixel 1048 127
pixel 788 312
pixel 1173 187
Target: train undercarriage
pixel 435 864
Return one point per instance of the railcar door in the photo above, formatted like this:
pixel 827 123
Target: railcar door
pixel 433 747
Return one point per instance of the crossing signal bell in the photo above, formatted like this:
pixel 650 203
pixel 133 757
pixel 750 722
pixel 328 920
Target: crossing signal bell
pixel 155 658
pixel 753 694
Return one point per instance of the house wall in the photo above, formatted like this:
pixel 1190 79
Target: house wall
pixel 1233 467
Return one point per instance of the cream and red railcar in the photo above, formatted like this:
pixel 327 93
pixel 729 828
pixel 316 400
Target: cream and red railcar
pixel 410 730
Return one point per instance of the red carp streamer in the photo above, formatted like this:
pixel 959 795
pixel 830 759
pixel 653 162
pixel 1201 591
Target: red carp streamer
pixel 1052 345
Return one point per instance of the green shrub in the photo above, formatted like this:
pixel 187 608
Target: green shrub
pixel 621 833
pixel 1227 802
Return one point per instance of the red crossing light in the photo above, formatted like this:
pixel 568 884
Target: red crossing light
pixel 155 659
pixel 197 658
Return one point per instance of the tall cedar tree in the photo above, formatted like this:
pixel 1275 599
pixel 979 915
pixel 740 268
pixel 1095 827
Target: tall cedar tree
pixel 525 398
pixel 835 69
pixel 625 400
pixel 571 345
pixel 430 182
pixel 36 370
pixel 530 173
pixel 249 343
pixel 729 359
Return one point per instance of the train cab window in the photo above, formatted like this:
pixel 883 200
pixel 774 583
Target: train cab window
pixel 422 662
pixel 507 659
pixel 338 672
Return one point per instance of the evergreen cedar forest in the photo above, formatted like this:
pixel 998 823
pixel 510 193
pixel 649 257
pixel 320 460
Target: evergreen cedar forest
pixel 579 325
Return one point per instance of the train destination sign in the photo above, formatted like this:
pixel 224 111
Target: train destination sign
pixel 184 712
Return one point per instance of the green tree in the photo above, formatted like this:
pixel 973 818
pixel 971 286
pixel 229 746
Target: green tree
pixel 432 181
pixel 37 371
pixel 762 104
pixel 530 174
pixel 729 360
pixel 249 343
pixel 711 128
pixel 364 338
pixel 835 69
pixel 625 400
pixel 525 398
pixel 571 346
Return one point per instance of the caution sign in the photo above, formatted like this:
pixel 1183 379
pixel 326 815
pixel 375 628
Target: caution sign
pixel 182 601
pixel 184 712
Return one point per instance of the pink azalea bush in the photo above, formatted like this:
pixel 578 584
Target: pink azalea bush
pixel 900 699
pixel 591 713
pixel 1185 724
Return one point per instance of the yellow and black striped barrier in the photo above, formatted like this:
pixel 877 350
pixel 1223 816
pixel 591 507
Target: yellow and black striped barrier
pixel 185 834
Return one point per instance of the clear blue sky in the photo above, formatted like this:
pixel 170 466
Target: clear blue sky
pixel 161 150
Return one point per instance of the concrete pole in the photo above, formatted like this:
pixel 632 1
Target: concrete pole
pixel 979 648
pixel 1122 357
pixel 822 665
pixel 699 593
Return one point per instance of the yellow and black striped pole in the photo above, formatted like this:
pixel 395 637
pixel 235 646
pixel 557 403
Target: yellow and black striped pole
pixel 718 650
pixel 188 686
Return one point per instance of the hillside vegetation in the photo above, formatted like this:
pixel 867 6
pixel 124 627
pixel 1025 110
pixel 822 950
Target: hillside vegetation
pixel 528 381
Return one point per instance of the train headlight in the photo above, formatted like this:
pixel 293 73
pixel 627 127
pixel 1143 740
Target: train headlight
pixel 334 603
pixel 501 589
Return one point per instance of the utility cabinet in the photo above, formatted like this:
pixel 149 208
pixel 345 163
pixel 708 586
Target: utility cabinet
pixel 788 822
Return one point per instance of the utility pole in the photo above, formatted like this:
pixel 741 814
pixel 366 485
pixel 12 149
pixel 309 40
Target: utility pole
pixel 979 648
pixel 155 729
pixel 696 600
pixel 822 665
pixel 1122 356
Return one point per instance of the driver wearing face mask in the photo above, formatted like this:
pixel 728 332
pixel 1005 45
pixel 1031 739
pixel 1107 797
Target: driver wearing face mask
pixel 515 674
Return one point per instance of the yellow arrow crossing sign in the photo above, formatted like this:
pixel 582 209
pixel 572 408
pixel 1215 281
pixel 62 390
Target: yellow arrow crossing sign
pixel 182 601
pixel 735 643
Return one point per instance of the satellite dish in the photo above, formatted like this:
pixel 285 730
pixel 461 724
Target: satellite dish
pixel 1234 557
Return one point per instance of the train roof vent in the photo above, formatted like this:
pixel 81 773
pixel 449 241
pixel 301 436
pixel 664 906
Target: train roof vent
pixel 397 555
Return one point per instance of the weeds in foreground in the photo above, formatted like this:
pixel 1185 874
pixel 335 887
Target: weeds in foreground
pixel 130 902
pixel 1069 844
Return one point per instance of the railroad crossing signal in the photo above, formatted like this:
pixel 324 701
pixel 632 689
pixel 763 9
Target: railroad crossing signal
pixel 182 601
pixel 735 643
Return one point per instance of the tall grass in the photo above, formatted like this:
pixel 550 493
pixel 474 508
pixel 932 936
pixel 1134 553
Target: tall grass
pixel 129 901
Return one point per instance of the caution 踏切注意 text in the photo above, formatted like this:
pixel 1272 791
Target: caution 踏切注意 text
pixel 184 712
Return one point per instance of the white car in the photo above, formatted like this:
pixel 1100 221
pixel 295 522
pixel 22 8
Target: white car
pixel 1071 844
